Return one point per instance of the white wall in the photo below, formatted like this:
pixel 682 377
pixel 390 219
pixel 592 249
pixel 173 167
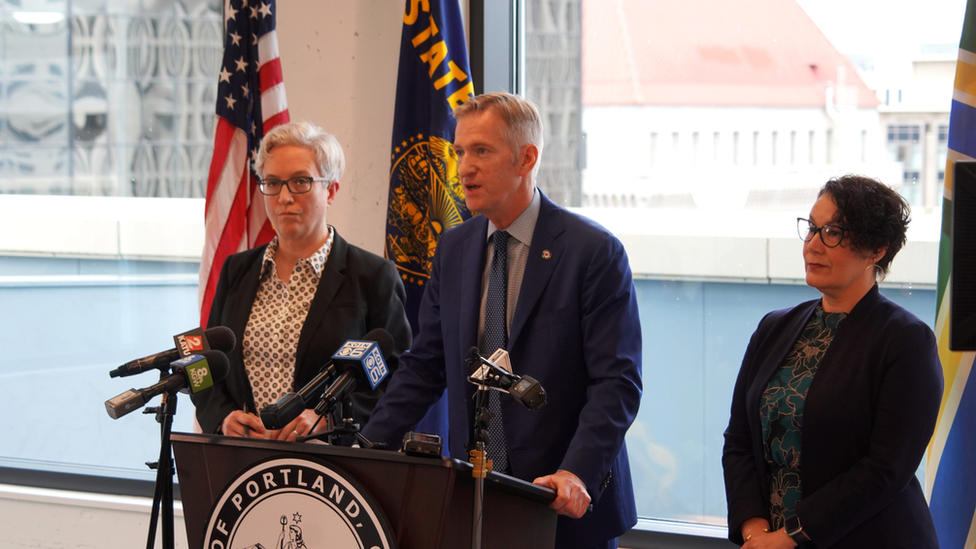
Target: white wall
pixel 57 519
pixel 339 62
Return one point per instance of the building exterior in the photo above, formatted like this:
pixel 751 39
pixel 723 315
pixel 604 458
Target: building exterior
pixel 914 117
pixel 710 104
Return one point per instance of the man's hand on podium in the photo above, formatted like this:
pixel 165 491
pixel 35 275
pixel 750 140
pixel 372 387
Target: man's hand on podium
pixel 572 499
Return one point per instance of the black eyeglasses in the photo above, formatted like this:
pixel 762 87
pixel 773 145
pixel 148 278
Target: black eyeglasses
pixel 296 185
pixel 830 235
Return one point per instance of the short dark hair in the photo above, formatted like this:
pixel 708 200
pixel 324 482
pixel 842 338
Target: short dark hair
pixel 876 215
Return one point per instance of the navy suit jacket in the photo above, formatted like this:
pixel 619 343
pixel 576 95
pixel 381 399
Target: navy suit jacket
pixel 358 292
pixel 868 417
pixel 575 329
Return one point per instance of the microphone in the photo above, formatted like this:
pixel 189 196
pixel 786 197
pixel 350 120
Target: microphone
pixel 219 338
pixel 525 389
pixel 362 360
pixel 291 405
pixel 191 374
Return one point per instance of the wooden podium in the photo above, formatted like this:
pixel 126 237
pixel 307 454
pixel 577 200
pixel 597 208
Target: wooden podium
pixel 428 502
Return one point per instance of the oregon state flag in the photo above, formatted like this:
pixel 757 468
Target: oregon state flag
pixel 950 470
pixel 426 198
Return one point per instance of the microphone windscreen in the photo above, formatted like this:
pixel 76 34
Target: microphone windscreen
pixel 474 359
pixel 218 363
pixel 383 339
pixel 221 338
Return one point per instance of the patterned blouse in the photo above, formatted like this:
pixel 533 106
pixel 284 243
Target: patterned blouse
pixel 781 412
pixel 277 316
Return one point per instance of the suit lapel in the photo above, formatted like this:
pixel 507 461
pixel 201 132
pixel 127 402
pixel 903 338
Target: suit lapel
pixel 473 254
pixel 545 254
pixel 239 303
pixel 777 354
pixel 333 274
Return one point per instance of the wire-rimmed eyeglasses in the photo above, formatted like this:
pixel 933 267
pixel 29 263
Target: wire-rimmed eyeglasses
pixel 296 185
pixel 830 235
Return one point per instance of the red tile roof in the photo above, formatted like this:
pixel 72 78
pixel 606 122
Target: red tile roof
pixel 711 52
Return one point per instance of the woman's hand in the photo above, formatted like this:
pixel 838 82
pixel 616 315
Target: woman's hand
pixel 242 424
pixel 769 540
pixel 753 526
pixel 300 426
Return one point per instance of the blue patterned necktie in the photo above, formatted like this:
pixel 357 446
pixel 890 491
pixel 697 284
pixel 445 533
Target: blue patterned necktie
pixel 496 337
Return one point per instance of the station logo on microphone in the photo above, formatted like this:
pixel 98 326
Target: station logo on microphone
pixel 375 366
pixel 296 504
pixel 371 357
pixel 198 371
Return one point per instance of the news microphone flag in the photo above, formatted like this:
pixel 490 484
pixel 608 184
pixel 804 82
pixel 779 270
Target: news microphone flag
pixel 426 198
pixel 365 355
pixel 198 373
pixel 950 477
pixel 250 101
pixel 191 342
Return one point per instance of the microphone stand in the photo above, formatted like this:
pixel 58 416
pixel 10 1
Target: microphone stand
pixel 163 496
pixel 480 461
pixel 347 427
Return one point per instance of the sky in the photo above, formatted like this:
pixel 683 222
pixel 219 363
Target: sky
pixel 882 27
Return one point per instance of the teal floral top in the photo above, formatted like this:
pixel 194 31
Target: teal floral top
pixel 781 412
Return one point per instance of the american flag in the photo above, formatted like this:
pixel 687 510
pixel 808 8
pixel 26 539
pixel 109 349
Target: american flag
pixel 250 101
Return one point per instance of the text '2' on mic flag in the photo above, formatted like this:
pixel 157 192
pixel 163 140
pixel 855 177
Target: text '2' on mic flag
pixel 250 101
pixel 950 470
pixel 426 198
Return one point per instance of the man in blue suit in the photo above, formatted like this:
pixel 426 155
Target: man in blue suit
pixel 571 322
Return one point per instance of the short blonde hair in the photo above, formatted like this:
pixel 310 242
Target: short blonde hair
pixel 522 120
pixel 328 153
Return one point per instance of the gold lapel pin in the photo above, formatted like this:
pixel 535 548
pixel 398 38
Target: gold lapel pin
pixel 546 254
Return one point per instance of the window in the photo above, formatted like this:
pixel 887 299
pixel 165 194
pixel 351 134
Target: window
pixel 735 147
pixel 905 147
pixel 711 238
pixel 106 122
pixel 104 142
pixel 943 144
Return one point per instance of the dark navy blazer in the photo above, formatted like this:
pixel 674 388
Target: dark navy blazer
pixel 575 329
pixel 868 417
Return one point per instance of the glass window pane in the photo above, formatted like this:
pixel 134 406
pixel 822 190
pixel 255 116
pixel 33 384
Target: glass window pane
pixel 106 116
pixel 754 129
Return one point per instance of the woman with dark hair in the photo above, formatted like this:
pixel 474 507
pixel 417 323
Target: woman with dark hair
pixel 837 397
